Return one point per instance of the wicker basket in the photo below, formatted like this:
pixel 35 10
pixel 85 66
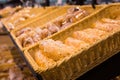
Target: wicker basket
pixel 37 11
pixel 50 16
pixel 39 21
pixel 82 61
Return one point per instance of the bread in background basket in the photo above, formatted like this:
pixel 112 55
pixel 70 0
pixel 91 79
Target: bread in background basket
pixel 24 16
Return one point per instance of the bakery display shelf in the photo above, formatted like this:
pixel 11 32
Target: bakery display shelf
pixel 21 52
pixel 83 60
pixel 26 56
pixel 40 22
